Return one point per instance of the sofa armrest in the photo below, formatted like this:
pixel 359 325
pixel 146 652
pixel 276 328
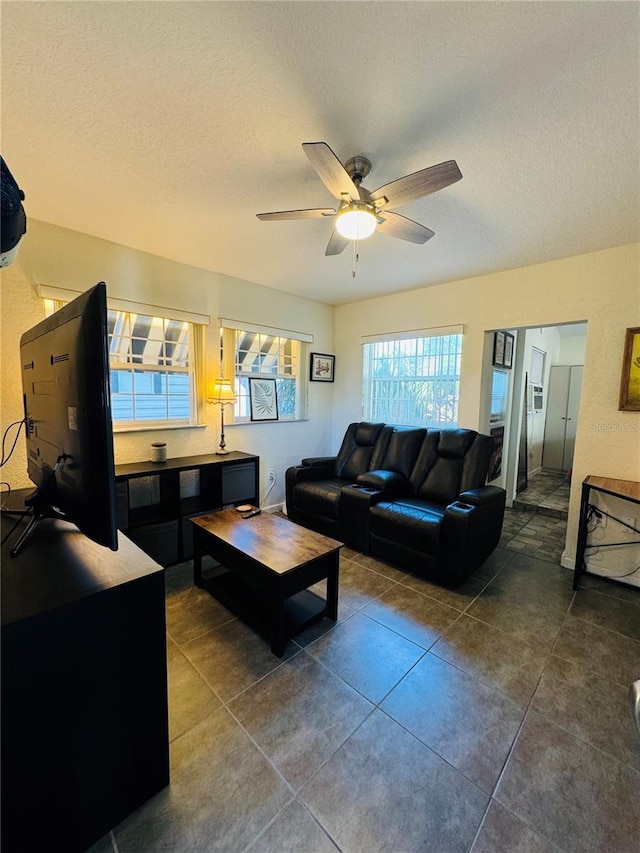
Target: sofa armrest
pixel 305 473
pixel 389 483
pixel 319 462
pixel 471 528
pixel 483 496
pixel 302 474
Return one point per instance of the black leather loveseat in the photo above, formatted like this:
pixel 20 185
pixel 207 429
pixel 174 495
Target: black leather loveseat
pixel 410 496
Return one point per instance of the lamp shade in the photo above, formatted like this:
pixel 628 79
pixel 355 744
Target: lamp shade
pixel 222 392
pixel 355 222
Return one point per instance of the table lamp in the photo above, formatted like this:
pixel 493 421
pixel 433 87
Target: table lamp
pixel 222 394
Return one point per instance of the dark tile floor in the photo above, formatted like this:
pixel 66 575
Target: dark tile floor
pixel 547 492
pixel 492 719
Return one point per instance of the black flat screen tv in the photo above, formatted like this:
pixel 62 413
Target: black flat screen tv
pixel 67 407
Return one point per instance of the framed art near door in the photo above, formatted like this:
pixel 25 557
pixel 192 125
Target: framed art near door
pixel 503 349
pixel 630 381
pixel 508 350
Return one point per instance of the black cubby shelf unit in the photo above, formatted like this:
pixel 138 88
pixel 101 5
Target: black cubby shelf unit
pixel 156 499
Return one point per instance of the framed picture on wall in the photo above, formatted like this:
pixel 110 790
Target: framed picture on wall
pixel 630 381
pixel 498 349
pixel 263 398
pixel 322 367
pixel 508 350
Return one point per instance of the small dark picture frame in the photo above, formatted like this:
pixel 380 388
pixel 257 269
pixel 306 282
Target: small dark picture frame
pixel 322 367
pixel 630 380
pixel 498 349
pixel 508 350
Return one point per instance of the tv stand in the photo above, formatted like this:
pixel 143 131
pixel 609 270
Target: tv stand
pixel 84 687
pixel 39 505
pixel 36 513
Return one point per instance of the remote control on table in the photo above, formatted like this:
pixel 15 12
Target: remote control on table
pixel 252 513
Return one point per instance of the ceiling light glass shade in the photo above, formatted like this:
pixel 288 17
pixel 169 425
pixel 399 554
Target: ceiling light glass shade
pixel 356 223
pixel 222 392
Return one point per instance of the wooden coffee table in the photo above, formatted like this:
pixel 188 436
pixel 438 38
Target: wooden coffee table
pixel 268 564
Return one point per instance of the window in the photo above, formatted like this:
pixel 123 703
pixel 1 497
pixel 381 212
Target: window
pixel 152 368
pixel 259 352
pixel 413 380
pixel 538 358
pixel 150 362
pixel 499 389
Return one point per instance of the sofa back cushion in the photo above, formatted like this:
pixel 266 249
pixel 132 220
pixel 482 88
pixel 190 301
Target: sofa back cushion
pixel 402 450
pixel 450 462
pixel 362 449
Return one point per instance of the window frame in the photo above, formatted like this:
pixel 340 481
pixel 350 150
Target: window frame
pixel 240 412
pixel 193 369
pixel 499 395
pixel 416 339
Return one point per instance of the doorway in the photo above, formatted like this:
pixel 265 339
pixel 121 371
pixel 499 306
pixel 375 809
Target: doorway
pixel 541 417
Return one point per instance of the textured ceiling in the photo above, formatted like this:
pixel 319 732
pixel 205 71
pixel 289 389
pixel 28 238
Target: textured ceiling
pixel 166 126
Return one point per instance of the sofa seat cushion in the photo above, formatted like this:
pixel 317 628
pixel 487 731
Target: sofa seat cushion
pixel 319 497
pixel 411 522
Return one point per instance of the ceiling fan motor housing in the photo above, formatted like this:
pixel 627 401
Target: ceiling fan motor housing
pixel 358 168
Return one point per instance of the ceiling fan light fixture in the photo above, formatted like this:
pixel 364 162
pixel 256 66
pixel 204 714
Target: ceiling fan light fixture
pixel 356 222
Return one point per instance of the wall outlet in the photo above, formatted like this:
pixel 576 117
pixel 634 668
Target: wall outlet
pixel 271 475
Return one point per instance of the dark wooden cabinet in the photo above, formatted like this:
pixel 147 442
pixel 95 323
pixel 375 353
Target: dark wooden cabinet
pixel 156 499
pixel 84 688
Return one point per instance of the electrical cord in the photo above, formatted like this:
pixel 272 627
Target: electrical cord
pixel 266 494
pixel 613 577
pixel 4 458
pixel 8 485
pixel 594 517
pixel 598 512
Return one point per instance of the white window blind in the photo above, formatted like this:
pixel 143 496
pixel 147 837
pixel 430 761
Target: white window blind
pixel 499 389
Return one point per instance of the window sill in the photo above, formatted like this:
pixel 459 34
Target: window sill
pixel 120 428
pixel 253 423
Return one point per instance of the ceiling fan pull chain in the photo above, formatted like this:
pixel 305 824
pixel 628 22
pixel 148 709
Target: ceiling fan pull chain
pixel 355 259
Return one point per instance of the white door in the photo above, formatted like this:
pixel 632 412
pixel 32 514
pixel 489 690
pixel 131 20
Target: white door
pixel 556 420
pixel 565 382
pixel 573 404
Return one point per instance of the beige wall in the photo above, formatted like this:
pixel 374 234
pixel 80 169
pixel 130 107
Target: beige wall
pixel 59 257
pixel 602 288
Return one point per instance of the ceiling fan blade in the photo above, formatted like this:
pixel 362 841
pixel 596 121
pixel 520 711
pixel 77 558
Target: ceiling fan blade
pixel 336 244
pixel 406 229
pixel 417 185
pixel 312 213
pixel 331 171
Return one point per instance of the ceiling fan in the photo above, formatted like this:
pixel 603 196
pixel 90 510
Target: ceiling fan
pixel 361 212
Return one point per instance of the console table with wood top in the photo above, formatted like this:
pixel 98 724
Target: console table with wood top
pixel 628 490
pixel 267 565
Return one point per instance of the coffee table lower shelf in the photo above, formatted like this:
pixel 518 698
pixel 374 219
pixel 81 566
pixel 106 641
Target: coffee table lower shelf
pixel 266 566
pixel 299 611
